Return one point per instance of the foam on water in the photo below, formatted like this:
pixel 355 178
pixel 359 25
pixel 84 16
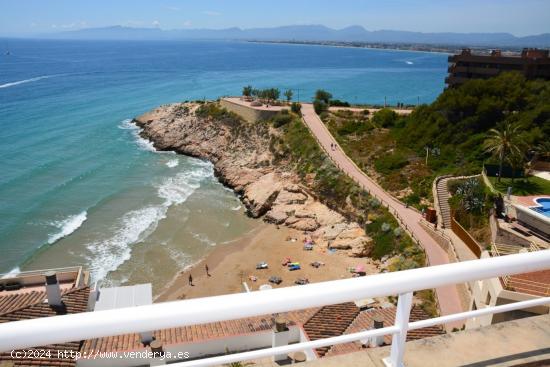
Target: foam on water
pixel 109 254
pixel 172 163
pixel 409 62
pixel 143 144
pixel 67 226
pixel 204 239
pixel 13 272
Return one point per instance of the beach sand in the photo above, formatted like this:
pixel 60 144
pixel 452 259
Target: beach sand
pixel 232 263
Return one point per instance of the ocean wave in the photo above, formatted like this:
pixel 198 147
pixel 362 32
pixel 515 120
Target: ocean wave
pixel 142 143
pixel 13 272
pixel 235 208
pixel 176 189
pixel 108 255
pixel 409 62
pixel 12 84
pixel 172 163
pixel 67 226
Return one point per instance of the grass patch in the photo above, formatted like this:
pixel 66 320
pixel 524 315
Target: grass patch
pixel 531 185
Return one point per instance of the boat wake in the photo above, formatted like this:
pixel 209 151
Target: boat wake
pixel 67 226
pixel 12 84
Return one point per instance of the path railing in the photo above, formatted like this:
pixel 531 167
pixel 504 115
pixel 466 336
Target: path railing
pixel 59 329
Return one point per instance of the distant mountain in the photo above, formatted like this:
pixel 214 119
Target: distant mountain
pixel 308 33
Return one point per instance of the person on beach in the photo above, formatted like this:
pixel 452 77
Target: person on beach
pixel 191 280
pixel 206 268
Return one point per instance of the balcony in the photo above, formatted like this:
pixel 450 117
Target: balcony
pixel 142 319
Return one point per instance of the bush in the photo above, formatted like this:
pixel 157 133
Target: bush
pixel 384 118
pixel 281 119
pixel 339 103
pixel 352 127
pixel 296 107
pixel 391 162
pixel 323 95
pixel 320 106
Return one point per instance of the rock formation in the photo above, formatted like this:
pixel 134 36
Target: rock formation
pixel 242 160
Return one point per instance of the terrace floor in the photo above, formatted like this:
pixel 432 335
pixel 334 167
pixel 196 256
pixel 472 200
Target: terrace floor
pixel 524 342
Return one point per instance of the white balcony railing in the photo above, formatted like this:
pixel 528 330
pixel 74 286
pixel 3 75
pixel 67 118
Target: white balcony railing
pixel 58 329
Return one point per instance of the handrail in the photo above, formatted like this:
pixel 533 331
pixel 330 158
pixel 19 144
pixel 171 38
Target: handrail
pixel 58 329
pixel 39 272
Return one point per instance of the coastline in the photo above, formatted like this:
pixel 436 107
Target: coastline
pixel 235 262
pixel 271 192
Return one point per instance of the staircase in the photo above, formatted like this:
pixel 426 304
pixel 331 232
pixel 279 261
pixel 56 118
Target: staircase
pixel 330 321
pixel 443 199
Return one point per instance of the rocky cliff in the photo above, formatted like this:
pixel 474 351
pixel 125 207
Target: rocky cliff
pixel 242 160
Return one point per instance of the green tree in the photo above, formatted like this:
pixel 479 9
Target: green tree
pixel 288 95
pixel 323 95
pixel 502 143
pixel 247 91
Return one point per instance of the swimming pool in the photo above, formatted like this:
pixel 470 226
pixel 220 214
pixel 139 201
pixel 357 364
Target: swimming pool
pixel 543 206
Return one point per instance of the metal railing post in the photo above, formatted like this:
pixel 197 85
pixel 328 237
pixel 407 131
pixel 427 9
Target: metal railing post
pixel 404 304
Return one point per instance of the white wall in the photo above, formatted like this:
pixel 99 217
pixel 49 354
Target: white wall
pixel 234 344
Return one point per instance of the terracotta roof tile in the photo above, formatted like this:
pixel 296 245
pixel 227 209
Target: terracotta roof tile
pixel 74 300
pixel 195 333
pixel 365 321
pixel 330 321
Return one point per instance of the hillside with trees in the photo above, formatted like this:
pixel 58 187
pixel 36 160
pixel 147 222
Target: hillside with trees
pixel 504 121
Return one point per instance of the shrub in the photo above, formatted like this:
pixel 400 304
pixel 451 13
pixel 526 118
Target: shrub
pixel 352 127
pixel 323 95
pixel 339 103
pixel 391 162
pixel 281 119
pixel 320 106
pixel 296 107
pixel 385 117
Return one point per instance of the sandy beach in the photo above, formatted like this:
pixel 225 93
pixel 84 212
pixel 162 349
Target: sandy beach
pixel 233 263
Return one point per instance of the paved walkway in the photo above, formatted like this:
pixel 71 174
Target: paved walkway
pixel 448 296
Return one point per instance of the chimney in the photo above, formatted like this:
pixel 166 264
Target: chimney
pixel 378 323
pixel 157 353
pixel 53 292
pixel 280 337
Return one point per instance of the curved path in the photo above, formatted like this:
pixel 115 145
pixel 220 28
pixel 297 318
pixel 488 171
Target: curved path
pixel 447 297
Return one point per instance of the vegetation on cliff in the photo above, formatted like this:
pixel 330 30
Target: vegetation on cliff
pixel 449 136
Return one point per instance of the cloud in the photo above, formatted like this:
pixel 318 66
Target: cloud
pixel 173 8
pixel 155 23
pixel 212 13
pixel 187 23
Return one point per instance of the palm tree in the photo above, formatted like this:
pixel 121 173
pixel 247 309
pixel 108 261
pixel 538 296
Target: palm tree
pixel 503 142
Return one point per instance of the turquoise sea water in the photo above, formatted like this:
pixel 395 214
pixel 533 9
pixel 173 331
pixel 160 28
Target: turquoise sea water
pixel 78 187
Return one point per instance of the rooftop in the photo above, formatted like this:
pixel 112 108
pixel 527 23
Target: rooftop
pixel 24 306
pixel 535 283
pixel 514 343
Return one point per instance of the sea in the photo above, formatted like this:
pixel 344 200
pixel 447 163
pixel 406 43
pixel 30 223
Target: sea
pixel 78 186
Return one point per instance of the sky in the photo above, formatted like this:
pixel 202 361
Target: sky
pixel 519 17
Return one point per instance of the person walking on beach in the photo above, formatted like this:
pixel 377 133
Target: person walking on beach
pixel 191 280
pixel 206 268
